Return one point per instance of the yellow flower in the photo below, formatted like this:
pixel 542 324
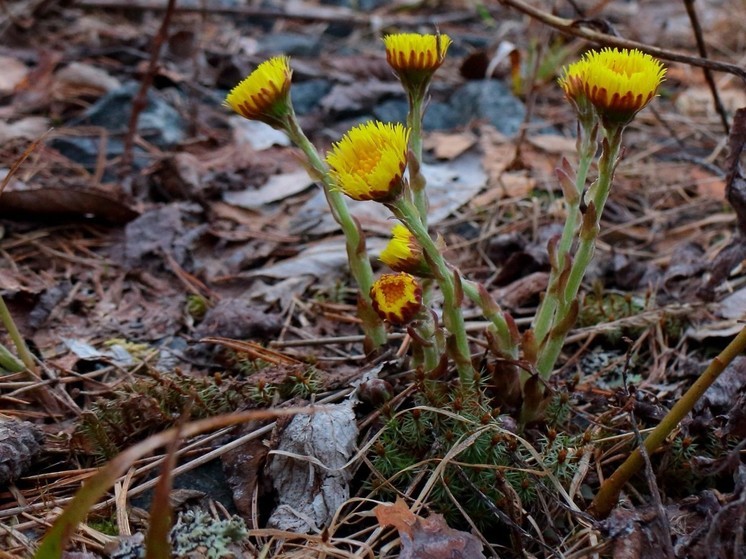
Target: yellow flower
pixel 404 254
pixel 618 83
pixel 368 162
pixel 264 94
pixel 406 52
pixel 396 297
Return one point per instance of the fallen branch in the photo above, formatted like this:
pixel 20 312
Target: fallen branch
pixel 573 27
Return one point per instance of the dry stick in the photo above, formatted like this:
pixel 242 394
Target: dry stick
pixel 697 28
pixel 329 15
pixel 649 474
pixel 608 494
pixel 141 99
pixel 570 27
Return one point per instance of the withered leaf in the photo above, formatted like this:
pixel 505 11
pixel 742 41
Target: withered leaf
pixel 427 538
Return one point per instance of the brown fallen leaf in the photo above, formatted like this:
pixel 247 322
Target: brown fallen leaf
pixel 554 143
pixel 427 538
pixel 79 79
pixel 449 146
pixel 697 101
pixel 14 72
pixel 21 200
pixel 28 128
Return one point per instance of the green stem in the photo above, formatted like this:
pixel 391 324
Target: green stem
pixel 566 297
pixel 494 314
pixel 354 239
pixel 586 150
pixel 431 351
pixel 15 335
pixel 453 319
pixel 608 494
pixel 9 362
pixel 417 179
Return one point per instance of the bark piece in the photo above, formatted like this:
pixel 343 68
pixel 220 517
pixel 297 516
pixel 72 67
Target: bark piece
pixel 20 444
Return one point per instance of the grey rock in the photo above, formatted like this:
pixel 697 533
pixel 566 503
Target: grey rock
pixel 492 101
pixel 158 122
pixel 307 95
pixel 291 44
pixel 438 116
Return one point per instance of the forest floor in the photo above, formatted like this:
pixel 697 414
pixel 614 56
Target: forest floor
pixel 183 266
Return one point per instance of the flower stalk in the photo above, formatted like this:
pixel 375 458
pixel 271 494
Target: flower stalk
pixel 565 298
pixel 417 181
pixel 449 282
pixel 357 254
pixel 264 95
pixel 573 191
pixel 503 327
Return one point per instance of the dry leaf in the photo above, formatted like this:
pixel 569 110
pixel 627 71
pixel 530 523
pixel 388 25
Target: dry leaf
pixel 509 185
pixel 427 538
pixel 308 468
pixel 278 187
pixel 325 260
pixel 14 72
pixel 449 146
pixel 709 185
pixel 553 143
pixel 357 96
pixel 697 101
pixel 78 79
pixel 257 135
pixel 20 199
pixel 29 128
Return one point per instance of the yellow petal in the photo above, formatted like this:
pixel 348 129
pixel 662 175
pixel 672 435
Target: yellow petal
pixel 368 162
pixel 619 83
pixel 263 94
pixel 413 51
pixel 396 297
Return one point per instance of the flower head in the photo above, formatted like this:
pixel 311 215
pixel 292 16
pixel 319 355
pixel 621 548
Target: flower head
pixel 618 83
pixel 396 297
pixel 265 94
pixel 404 254
pixel 368 162
pixel 411 51
pixel 415 57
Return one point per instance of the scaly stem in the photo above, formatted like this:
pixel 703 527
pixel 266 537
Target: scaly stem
pixel 355 240
pixel 453 319
pixel 543 321
pixel 15 335
pixel 566 298
pixel 427 340
pixel 416 179
pixel 492 312
pixel 608 494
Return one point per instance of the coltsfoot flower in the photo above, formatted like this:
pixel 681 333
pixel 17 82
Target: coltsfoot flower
pixel 415 57
pixel 368 163
pixel 404 254
pixel 406 52
pixel 396 297
pixel 618 83
pixel 265 93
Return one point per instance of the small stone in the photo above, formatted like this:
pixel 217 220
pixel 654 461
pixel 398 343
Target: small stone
pixel 492 101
